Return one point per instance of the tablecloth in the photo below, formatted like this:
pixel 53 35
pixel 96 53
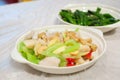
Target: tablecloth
pixel 15 19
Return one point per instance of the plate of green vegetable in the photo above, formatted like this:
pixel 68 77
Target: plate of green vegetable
pixel 98 16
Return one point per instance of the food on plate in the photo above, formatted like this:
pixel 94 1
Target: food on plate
pixel 89 18
pixel 58 49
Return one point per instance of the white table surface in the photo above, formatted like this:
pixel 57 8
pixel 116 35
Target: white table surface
pixel 17 18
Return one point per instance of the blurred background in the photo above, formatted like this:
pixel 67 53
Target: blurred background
pixel 4 2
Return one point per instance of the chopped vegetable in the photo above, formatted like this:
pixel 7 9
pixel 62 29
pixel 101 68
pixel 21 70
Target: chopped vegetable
pixel 72 46
pixel 61 49
pixel 80 60
pixel 49 51
pixel 67 16
pixel 20 49
pixel 88 55
pixel 29 43
pixel 70 61
pixel 63 61
pixel 32 58
pixel 27 53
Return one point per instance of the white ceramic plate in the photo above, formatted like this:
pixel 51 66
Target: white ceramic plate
pixel 96 35
pixel 105 9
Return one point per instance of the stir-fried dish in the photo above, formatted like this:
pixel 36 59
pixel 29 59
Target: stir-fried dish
pixel 59 49
pixel 89 18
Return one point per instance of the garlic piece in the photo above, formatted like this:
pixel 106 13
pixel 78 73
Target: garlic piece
pixel 80 60
pixel 29 43
pixel 84 48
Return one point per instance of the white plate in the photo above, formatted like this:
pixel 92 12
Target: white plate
pixel 104 9
pixel 96 35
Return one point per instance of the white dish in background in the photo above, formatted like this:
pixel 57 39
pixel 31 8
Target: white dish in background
pixel 104 9
pixel 96 35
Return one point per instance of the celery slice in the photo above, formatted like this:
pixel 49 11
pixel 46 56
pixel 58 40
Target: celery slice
pixel 27 53
pixel 72 46
pixel 32 58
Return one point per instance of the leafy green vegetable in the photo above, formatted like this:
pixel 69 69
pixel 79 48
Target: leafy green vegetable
pixel 89 18
pixel 98 10
pixel 67 16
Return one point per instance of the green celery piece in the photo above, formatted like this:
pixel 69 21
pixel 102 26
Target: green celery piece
pixel 20 45
pixel 40 57
pixel 26 50
pixel 63 61
pixel 72 46
pixel 27 53
pixel 54 47
pixel 66 55
pixel 30 55
pixel 32 58
pixel 70 42
pixel 49 51
pixel 62 64
pixel 20 49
